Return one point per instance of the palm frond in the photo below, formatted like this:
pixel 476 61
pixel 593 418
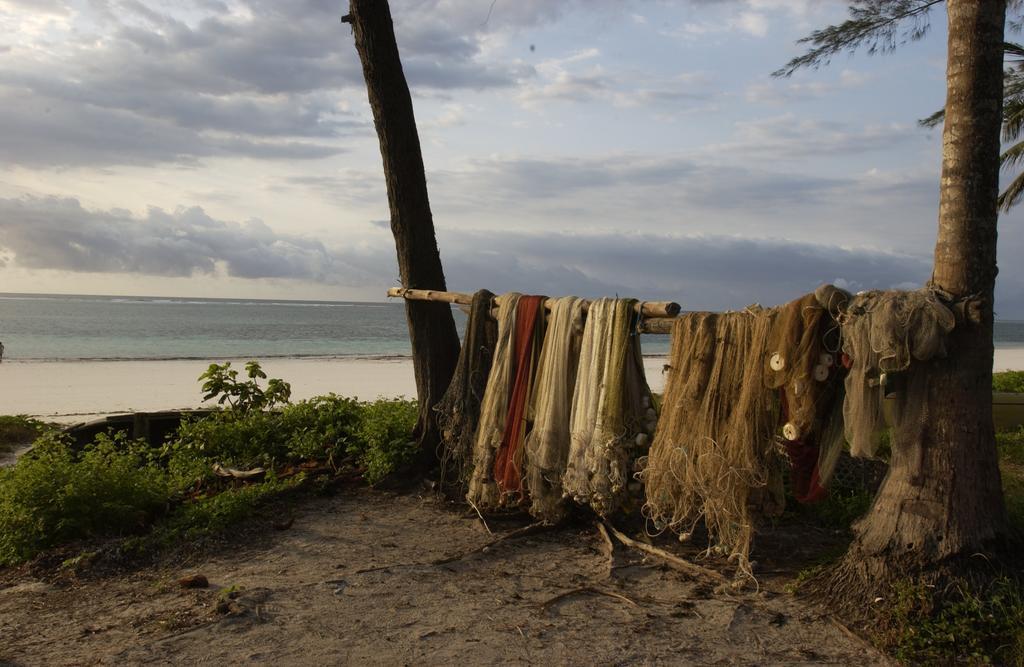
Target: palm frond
pixel 1009 197
pixel 1012 156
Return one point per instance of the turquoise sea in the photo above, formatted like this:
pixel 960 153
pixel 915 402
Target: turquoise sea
pixel 49 327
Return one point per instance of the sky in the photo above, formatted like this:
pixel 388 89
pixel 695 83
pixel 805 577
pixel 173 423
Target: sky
pixel 225 148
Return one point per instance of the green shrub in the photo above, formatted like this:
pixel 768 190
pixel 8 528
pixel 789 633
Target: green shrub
pixel 966 626
pixel 18 430
pixel 321 428
pixel 220 381
pixel 215 513
pixel 53 495
pixel 384 439
pixel 234 439
pixel 1011 381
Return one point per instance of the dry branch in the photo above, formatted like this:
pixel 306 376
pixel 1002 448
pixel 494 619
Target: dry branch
pixel 670 559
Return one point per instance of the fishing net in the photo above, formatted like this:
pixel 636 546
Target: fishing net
pixel 458 411
pixel 612 411
pixel 547 444
pixel 800 363
pixel 493 411
pixel 883 333
pixel 714 445
pixel 526 344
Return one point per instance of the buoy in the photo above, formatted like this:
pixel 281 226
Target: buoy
pixel 791 432
pixel 821 372
pixel 641 439
pixel 777 362
pixel 827 360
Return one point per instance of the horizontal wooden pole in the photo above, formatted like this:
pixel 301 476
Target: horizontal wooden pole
pixel 657 325
pixel 652 309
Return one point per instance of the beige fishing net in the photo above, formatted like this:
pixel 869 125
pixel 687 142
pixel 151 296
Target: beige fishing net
pixel 714 444
pixel 483 490
pixel 883 333
pixel 547 444
pixel 612 411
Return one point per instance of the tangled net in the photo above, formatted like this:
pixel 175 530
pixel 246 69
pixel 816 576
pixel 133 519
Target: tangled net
pixel 883 332
pixel 714 443
pixel 458 411
pixel 547 444
pixel 612 411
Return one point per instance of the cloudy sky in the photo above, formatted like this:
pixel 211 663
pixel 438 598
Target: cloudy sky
pixel 638 147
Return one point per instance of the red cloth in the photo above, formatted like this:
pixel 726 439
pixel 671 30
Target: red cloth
pixel 804 478
pixel 507 463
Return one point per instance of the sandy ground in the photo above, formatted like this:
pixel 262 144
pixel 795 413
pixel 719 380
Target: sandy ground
pixel 78 391
pixel 350 582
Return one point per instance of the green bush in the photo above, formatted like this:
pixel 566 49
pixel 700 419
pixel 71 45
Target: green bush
pixel 384 439
pixel 320 428
pixel 1011 381
pixel 220 381
pixel 215 513
pixel 966 626
pixel 54 495
pixel 18 430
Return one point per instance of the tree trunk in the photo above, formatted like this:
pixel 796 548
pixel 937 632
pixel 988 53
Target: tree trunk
pixel 942 499
pixel 435 341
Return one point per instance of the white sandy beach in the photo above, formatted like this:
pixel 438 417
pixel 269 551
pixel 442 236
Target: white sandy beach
pixel 77 391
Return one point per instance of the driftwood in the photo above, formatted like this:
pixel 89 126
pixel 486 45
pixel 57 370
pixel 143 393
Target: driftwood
pixel 653 309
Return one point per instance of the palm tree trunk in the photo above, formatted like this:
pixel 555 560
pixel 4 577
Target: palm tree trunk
pixel 435 342
pixel 942 499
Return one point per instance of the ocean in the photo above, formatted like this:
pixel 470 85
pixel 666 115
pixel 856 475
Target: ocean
pixel 50 327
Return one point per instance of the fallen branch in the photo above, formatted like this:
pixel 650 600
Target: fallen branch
pixel 670 559
pixel 482 520
pixel 531 529
pixel 582 591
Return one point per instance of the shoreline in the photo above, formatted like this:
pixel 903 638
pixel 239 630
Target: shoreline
pixel 78 391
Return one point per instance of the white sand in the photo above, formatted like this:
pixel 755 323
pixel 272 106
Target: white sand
pixel 78 391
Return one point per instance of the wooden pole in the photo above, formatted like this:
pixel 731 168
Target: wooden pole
pixel 654 309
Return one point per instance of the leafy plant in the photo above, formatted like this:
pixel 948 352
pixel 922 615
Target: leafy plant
pixel 18 430
pixel 220 381
pixel 385 437
pixel 54 495
pixel 984 627
pixel 1009 381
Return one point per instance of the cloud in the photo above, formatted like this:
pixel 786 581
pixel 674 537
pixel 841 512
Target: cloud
pixel 58 233
pixel 133 83
pixel 781 92
pixel 790 137
pixel 698 270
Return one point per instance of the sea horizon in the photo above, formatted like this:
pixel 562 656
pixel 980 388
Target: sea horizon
pixel 70 328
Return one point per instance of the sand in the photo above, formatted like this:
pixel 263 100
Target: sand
pixel 351 582
pixel 78 391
